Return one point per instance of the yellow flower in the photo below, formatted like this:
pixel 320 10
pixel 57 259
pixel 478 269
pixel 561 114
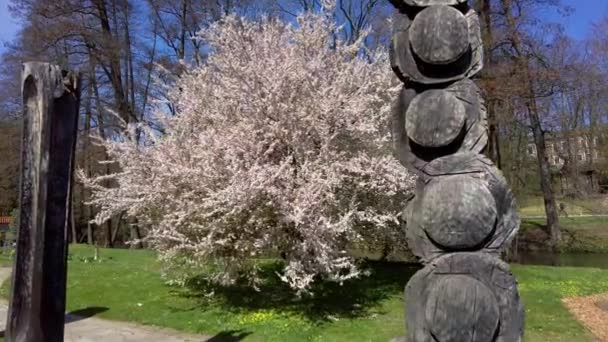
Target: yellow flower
pixel 258 317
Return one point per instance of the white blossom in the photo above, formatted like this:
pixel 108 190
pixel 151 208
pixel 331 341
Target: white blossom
pixel 280 145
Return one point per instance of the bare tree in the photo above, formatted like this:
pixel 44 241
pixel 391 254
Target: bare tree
pixel 529 66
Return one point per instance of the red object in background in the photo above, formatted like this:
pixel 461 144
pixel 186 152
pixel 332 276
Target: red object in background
pixel 5 219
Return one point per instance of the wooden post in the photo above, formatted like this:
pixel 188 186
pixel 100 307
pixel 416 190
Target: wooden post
pixel 50 121
pixel 463 215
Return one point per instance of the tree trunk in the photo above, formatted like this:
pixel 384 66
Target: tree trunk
pixel 135 235
pixel 518 155
pixel 545 174
pixel 109 243
pixel 114 71
pixel 493 149
pixel 73 228
pixel 90 240
pixel 86 209
pixel 535 125
pixel 117 229
pixel 102 133
pixel 181 53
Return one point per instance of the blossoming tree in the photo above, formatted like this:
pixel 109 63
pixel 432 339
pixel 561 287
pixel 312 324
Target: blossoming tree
pixel 280 146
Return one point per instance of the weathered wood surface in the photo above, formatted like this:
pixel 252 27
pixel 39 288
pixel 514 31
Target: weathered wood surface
pixel 477 165
pixel 461 308
pixel 457 213
pixel 476 137
pixel 473 138
pixel 439 35
pixel 434 118
pixel 413 35
pixel 462 214
pixel 50 112
pixel 464 297
pixel 466 173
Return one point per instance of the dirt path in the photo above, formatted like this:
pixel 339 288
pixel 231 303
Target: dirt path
pixel 592 312
pixel 94 329
pixel 5 273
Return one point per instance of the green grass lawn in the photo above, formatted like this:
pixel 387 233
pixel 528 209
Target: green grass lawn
pixel 534 206
pixel 126 286
pixel 574 223
pixel 580 234
pixel 6 260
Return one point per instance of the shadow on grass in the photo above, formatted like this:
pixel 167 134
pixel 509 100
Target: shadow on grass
pixel 354 298
pixel 80 314
pixel 531 223
pixel 229 336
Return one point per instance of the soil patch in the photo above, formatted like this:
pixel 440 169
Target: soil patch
pixel 592 312
pixel 602 304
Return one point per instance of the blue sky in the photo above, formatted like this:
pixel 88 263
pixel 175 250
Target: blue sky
pixel 585 12
pixel 576 24
pixel 8 26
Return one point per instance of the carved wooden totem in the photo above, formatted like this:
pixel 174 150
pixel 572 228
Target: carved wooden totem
pixel 463 214
pixel 50 122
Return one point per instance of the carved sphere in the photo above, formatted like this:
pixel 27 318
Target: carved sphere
pixel 439 35
pixel 435 118
pixel 461 293
pixel 461 308
pixel 408 48
pixel 458 212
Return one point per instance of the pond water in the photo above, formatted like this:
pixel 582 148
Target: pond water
pixel 594 260
pixel 597 260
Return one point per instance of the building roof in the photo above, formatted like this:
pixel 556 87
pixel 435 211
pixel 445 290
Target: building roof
pixel 5 219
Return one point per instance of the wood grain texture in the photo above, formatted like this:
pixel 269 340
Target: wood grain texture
pixel 464 297
pixel 439 35
pixel 481 172
pixel 425 69
pixel 399 45
pixel 434 118
pixel 399 137
pixel 461 308
pixel 457 212
pixel 477 165
pixel 50 104
pixel 462 214
pixel 474 137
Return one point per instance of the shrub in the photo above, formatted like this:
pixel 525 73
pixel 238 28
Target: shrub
pixel 279 147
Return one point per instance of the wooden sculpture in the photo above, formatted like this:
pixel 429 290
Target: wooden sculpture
pixel 50 122
pixel 463 214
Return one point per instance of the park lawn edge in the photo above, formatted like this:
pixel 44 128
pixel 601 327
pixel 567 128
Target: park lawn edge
pixel 128 285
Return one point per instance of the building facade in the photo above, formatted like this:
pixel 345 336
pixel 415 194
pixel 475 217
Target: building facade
pixel 578 161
